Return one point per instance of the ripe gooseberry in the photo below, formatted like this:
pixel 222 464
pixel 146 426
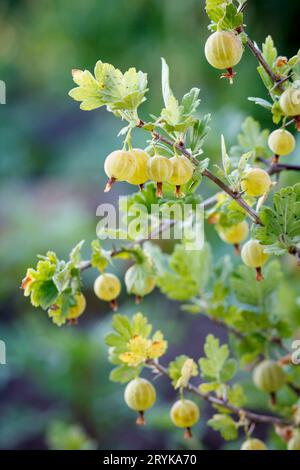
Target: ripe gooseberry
pixel 140 395
pixel 139 282
pixel 185 414
pixel 119 166
pixel 77 309
pixel 224 50
pixel 253 255
pixel 256 182
pixel 234 234
pixel 269 377
pixel 182 171
pixel 290 101
pixel 107 287
pixel 281 142
pixel 294 442
pixel 140 174
pixel 254 444
pixel 159 169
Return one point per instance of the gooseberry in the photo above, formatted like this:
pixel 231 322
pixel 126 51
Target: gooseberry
pixel 282 142
pixel 140 395
pixel 77 309
pixel 290 101
pixel 294 442
pixel 253 255
pixel 254 444
pixel 224 50
pixel 140 174
pixel 256 182
pixel 139 282
pixel 159 169
pixel 234 234
pixel 182 171
pixel 269 377
pixel 185 414
pixel 107 287
pixel 119 165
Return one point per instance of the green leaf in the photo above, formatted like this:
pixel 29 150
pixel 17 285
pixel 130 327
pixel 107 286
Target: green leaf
pixel 188 272
pixel 109 87
pixel 216 366
pixel 124 374
pixel 248 291
pixel 269 51
pixel 100 258
pixel 175 369
pixel 198 133
pixel 231 19
pixel 225 425
pixel 261 102
pixel 228 371
pixel 253 139
pixel 75 255
pixel 190 101
pixel 45 294
pixel 225 159
pixel 277 112
pixel 177 117
pixel 215 9
pixel 236 395
pixel 281 229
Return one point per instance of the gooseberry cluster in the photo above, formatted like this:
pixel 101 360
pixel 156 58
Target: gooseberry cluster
pixel 136 167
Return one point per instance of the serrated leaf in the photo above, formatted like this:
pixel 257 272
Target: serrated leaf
pixel 215 9
pixel 75 255
pixel 231 18
pixel 109 87
pixel 236 395
pixel 216 366
pixel 269 51
pixel 248 291
pixel 281 228
pixel 225 425
pixel 188 272
pixel 253 139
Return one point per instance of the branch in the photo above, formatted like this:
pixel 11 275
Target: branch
pixel 234 195
pixel 241 412
pixel 275 168
pixel 258 54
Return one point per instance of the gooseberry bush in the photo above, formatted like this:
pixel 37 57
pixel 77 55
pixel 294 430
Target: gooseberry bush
pixel 257 218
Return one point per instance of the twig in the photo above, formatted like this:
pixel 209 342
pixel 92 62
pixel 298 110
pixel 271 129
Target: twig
pixel 274 168
pixel 258 54
pixel 234 195
pixel 241 412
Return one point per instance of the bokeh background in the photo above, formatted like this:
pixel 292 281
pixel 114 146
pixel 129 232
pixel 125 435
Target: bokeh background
pixel 54 390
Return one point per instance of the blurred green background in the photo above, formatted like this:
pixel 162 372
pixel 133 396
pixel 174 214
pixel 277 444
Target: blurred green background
pixel 54 390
